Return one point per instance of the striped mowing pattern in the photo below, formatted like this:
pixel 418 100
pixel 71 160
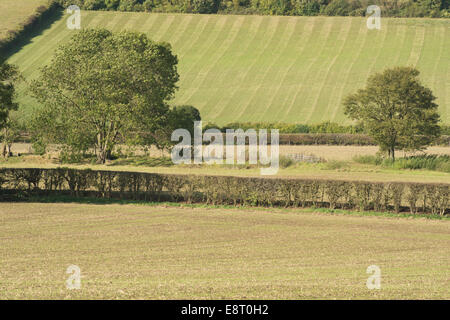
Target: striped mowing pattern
pixel 263 68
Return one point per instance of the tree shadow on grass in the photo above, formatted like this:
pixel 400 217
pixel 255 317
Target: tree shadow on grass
pixel 27 37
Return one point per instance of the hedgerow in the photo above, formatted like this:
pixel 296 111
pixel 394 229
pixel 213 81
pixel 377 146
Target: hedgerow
pixel 25 28
pixel 392 8
pixel 416 198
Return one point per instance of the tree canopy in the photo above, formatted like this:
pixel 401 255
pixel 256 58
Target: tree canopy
pixel 103 87
pixel 396 110
pixel 9 74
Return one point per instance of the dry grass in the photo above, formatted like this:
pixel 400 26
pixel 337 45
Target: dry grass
pixel 132 251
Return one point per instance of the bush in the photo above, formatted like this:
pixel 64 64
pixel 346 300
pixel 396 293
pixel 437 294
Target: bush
pixel 429 162
pixel 285 162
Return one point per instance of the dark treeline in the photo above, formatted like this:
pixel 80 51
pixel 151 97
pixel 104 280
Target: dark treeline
pixel 391 8
pixel 322 127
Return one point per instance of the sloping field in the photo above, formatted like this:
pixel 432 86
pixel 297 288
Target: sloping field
pixel 133 251
pixel 262 68
pixel 13 12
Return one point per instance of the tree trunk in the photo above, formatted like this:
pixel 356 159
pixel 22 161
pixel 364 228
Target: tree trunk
pixel 392 153
pixel 108 154
pixel 8 149
pixel 5 154
pixel 101 156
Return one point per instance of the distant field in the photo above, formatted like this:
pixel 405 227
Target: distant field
pixel 263 68
pixel 13 12
pixel 144 252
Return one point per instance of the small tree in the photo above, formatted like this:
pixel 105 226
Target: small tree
pixel 396 110
pixel 8 76
pixel 103 87
pixel 178 117
pixel 10 133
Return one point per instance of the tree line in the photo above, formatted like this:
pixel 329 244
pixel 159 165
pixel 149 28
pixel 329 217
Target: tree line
pixel 389 8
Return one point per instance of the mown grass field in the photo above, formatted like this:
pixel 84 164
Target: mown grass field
pixel 151 252
pixel 13 12
pixel 263 68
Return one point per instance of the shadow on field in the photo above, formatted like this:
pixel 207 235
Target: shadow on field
pixel 26 38
pixel 71 199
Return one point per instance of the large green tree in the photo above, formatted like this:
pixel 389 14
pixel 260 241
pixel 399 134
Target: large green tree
pixel 8 76
pixel 101 88
pixel 396 110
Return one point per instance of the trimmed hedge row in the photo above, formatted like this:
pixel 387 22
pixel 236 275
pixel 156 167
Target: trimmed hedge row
pixel 24 29
pixel 343 139
pixel 338 139
pixel 360 195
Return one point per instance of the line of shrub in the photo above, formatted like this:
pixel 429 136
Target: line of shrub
pixel 379 196
pixel 30 25
pixel 393 8
pixel 321 127
pixel 327 139
pixel 337 139
pixel 428 161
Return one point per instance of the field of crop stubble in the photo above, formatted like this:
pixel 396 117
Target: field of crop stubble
pixel 135 251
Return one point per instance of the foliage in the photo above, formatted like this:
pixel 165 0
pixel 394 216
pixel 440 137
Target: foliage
pixel 13 36
pixel 322 127
pixel 10 133
pixel 101 87
pixel 220 190
pixel 177 117
pixel 285 162
pixel 407 8
pixel 396 110
pixel 9 75
pixel 429 162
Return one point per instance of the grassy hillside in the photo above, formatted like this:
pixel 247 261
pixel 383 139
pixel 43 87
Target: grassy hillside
pixel 13 12
pixel 262 68
pixel 134 252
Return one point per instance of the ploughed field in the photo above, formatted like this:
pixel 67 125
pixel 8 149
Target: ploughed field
pixel 138 251
pixel 265 68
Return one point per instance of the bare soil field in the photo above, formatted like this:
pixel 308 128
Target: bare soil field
pixel 154 252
